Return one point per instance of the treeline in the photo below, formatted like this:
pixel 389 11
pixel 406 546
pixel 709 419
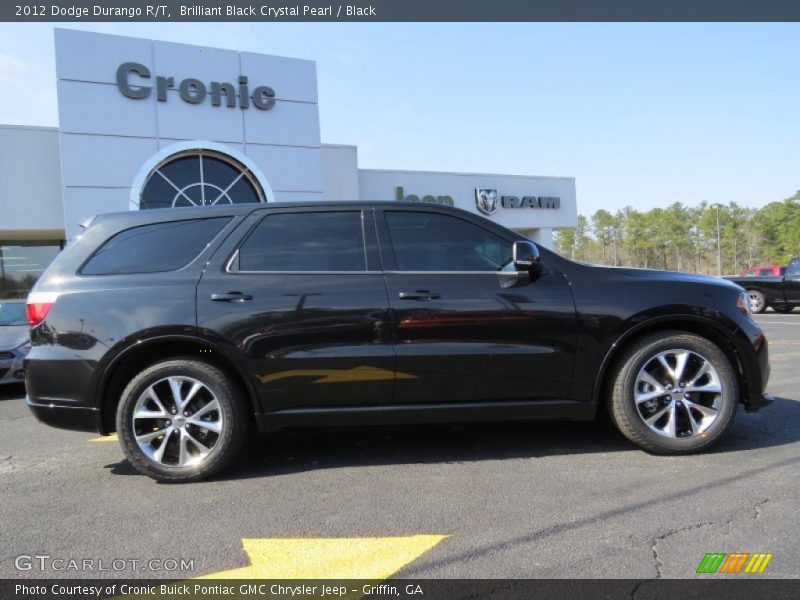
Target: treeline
pixel 686 238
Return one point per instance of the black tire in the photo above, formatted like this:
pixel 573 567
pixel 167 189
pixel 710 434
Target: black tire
pixel 757 301
pixel 232 416
pixel 627 416
pixel 783 308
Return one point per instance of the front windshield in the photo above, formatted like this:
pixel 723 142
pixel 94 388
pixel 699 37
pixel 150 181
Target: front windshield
pixel 12 313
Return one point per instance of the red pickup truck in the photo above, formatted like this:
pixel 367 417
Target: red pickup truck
pixel 770 271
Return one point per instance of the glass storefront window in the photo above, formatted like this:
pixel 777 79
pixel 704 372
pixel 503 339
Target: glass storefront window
pixel 21 264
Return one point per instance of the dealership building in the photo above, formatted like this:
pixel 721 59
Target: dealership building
pixel 151 124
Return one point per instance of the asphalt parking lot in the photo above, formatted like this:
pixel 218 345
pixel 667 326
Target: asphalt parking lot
pixel 464 501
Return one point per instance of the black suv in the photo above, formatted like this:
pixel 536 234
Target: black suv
pixel 181 328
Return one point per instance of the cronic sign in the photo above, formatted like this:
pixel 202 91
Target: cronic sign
pixel 133 81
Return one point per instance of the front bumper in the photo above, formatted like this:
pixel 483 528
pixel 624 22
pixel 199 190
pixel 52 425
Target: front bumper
pixel 79 418
pixel 759 401
pixel 753 352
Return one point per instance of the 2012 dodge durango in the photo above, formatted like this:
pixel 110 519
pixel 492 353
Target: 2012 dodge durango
pixel 180 329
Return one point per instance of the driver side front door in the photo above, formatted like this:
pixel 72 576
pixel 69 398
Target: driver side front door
pixel 466 326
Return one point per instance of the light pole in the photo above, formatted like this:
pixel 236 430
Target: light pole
pixel 717 206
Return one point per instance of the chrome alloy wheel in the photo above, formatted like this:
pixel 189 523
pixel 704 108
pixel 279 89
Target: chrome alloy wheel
pixel 177 422
pixel 678 394
pixel 756 300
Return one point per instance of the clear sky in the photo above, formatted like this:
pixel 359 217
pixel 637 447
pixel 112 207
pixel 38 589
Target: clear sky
pixel 640 114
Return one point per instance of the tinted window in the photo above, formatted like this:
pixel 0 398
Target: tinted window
pixel 433 242
pixel 321 241
pixel 153 248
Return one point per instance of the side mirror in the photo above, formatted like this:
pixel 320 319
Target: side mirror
pixel 526 257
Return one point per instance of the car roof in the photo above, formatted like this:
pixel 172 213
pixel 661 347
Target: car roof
pixel 12 301
pixel 136 217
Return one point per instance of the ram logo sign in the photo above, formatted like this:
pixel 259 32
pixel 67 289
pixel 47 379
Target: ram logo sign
pixel 735 562
pixel 488 201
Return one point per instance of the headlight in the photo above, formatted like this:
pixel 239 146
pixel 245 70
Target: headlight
pixel 743 304
pixel 24 348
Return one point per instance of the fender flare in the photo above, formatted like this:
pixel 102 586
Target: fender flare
pixel 619 343
pixel 141 343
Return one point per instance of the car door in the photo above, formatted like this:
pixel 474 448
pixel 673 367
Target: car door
pixel 467 327
pixel 301 298
pixel 791 282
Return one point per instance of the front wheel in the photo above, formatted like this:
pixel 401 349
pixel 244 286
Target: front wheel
pixel 181 420
pixel 757 301
pixel 673 393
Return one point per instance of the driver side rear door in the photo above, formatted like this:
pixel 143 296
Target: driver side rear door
pixel 300 298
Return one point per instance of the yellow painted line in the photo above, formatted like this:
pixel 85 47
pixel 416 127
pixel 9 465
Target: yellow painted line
pixel 105 438
pixel 374 558
pixel 362 562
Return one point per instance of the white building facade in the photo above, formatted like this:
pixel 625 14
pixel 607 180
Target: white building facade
pixel 152 124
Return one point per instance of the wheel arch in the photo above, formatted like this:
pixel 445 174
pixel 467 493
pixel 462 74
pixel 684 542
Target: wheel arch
pixel 138 356
pixel 714 332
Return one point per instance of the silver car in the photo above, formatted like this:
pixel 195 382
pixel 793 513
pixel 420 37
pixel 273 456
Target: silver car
pixel 14 340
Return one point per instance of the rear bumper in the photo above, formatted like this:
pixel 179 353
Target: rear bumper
pixel 79 418
pixel 56 389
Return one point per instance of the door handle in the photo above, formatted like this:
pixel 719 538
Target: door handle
pixel 231 297
pixel 419 295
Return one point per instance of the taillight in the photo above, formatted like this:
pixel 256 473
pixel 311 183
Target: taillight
pixel 39 304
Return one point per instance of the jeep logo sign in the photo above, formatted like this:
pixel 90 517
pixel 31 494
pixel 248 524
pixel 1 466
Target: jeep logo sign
pixel 486 201
pixel 400 195
pixel 192 90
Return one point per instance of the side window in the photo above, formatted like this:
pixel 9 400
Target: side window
pixel 793 270
pixel 154 248
pixel 308 241
pixel 425 241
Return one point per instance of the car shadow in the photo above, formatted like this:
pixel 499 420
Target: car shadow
pixel 295 451
pixel 772 311
pixel 12 391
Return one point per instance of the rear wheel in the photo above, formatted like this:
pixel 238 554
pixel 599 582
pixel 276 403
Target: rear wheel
pixel 758 303
pixel 783 308
pixel 673 393
pixel 181 420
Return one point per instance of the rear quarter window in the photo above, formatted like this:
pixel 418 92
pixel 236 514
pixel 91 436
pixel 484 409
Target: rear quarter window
pixel 154 248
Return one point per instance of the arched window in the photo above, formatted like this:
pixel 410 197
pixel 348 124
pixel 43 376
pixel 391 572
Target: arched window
pixel 199 178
